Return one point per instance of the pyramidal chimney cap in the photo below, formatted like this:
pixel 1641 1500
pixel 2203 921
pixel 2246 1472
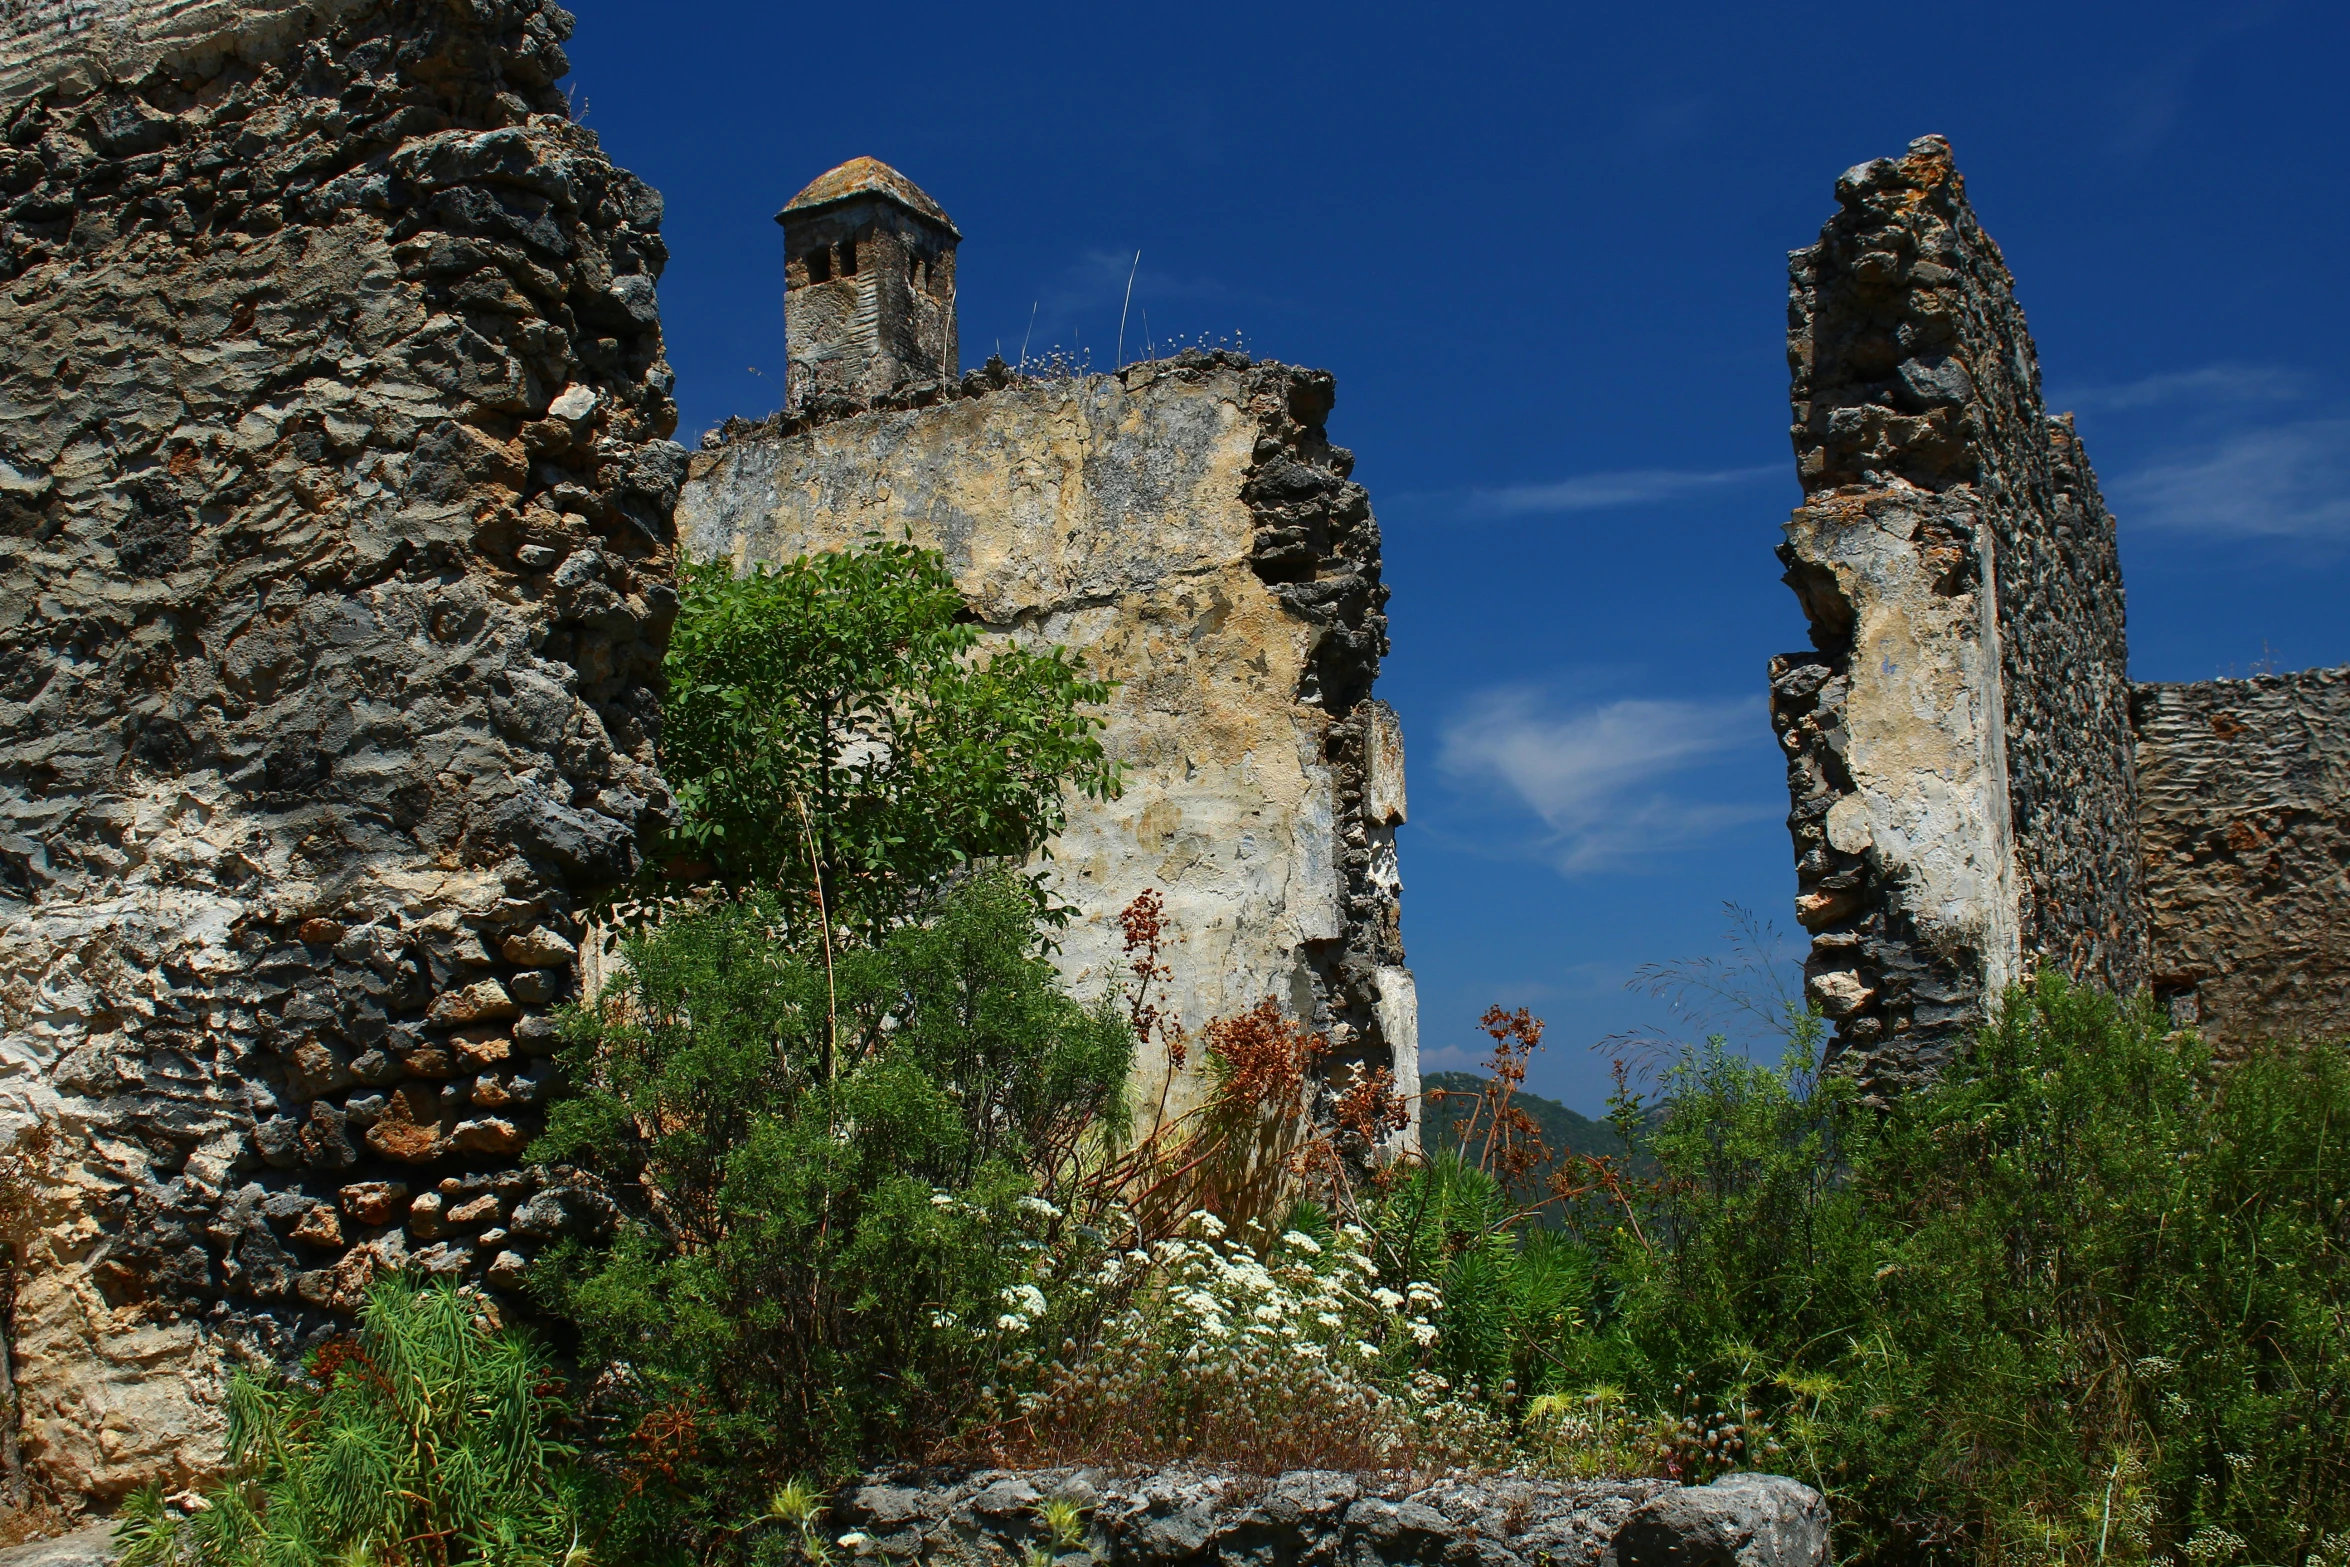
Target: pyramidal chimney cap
pixel 867 177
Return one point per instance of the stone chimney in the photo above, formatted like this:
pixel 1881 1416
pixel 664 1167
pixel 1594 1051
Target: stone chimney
pixel 869 283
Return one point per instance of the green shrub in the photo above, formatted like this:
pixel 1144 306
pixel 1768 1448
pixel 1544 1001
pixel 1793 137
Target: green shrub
pixel 1513 1292
pixel 425 1439
pixel 2109 1288
pixel 835 1092
pixel 836 711
pixel 2088 1298
pixel 829 1241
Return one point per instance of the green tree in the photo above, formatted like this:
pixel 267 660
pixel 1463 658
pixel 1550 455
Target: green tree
pixel 838 711
pixel 826 1252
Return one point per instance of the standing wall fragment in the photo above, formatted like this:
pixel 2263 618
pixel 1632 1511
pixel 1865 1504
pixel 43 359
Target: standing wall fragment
pixel 335 491
pixel 1958 736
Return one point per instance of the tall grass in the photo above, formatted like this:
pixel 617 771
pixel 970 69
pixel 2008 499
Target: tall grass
pixel 424 1439
pixel 2085 1300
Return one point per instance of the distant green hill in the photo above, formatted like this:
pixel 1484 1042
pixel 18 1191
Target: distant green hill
pixel 1564 1132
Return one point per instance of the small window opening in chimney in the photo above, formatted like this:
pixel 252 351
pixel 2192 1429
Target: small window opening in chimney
pixel 848 258
pixel 820 264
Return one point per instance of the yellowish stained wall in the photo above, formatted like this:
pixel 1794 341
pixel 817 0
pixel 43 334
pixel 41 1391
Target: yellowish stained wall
pixel 1109 520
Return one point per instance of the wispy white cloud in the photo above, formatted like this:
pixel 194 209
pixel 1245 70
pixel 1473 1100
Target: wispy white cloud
pixel 1595 775
pixel 2212 385
pixel 2284 481
pixel 1606 491
pixel 2144 106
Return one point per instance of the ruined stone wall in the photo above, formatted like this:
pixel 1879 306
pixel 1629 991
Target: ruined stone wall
pixel 1174 1518
pixel 334 536
pixel 1958 740
pixel 1187 527
pixel 2244 808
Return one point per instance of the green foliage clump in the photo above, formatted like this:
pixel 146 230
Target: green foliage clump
pixel 2085 1299
pixel 425 1439
pixel 837 711
pixel 836 1183
pixel 835 1092
pixel 1512 1291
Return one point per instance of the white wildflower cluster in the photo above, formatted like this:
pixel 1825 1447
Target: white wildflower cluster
pixel 2212 1545
pixel 1244 1346
pixel 1023 1305
pixel 1314 1300
pixel 1050 1260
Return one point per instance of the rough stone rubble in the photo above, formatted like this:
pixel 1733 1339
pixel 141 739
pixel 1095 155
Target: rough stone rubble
pixel 335 495
pixel 1326 1519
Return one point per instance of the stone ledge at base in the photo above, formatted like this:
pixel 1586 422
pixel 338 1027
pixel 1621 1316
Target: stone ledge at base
pixel 1321 1518
pixel 92 1545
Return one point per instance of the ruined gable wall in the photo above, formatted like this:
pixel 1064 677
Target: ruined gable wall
pixel 1959 751
pixel 1187 527
pixel 334 537
pixel 2244 807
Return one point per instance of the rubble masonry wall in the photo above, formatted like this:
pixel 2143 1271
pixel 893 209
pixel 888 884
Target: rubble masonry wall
pixel 335 492
pixel 2244 808
pixel 1958 736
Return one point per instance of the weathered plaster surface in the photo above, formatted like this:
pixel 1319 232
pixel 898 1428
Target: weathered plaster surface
pixel 334 537
pixel 1117 517
pixel 1901 767
pixel 2244 806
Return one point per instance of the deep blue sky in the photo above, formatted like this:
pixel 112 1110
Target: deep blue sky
pixel 1543 248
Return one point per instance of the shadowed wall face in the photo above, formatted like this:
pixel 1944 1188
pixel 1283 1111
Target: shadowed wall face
pixel 2244 806
pixel 1186 527
pixel 335 497
pixel 1959 745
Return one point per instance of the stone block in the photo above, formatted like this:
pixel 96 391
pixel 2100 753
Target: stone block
pixel 1740 1520
pixel 375 1202
pixel 485 1000
pixel 409 1130
pixel 539 947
